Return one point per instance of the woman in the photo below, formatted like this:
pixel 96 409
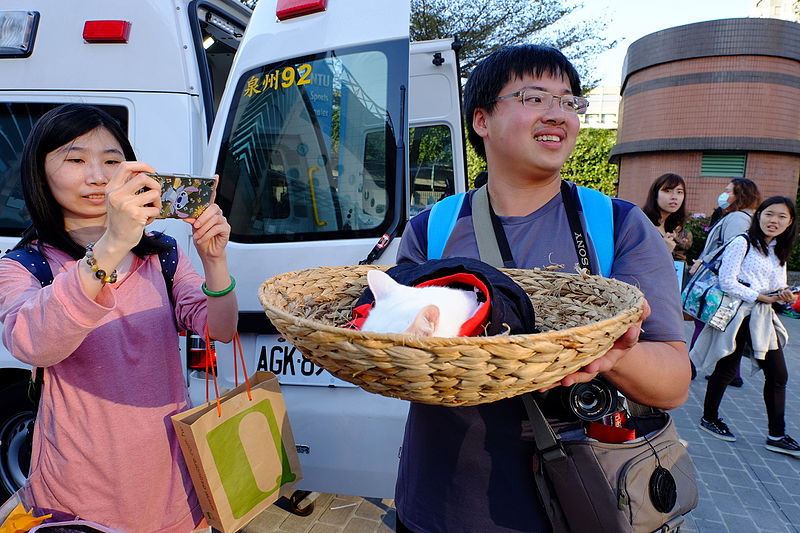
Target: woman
pixel 104 331
pixel 666 209
pixel 736 202
pixel 754 269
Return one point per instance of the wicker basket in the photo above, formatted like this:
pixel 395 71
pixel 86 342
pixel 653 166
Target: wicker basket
pixel 580 318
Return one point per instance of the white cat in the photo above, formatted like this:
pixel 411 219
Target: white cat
pixel 420 311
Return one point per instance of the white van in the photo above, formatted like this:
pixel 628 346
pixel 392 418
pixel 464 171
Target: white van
pixel 326 108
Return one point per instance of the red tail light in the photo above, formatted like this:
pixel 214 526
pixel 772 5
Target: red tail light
pixel 106 31
pixel 287 9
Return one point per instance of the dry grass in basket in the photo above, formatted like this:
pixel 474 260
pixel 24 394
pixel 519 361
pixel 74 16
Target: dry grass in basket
pixel 580 317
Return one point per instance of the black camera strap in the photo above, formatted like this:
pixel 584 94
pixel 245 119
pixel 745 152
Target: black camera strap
pixel 576 228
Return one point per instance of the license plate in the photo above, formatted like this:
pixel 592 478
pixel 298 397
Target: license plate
pixel 290 366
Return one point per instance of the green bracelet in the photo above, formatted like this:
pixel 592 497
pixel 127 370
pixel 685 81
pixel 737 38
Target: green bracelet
pixel 223 292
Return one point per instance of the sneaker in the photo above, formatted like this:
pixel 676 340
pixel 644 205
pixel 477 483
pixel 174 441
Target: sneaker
pixel 785 444
pixel 718 428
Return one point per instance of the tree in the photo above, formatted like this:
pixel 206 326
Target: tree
pixel 588 165
pixel 485 25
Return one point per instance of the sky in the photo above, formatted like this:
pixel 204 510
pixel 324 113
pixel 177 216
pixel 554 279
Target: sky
pixel 633 19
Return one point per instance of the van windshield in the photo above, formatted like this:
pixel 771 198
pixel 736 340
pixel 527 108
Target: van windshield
pixel 310 149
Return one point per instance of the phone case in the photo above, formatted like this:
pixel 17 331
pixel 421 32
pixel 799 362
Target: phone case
pixel 183 196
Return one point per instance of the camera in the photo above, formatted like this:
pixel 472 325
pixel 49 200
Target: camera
pixel 589 401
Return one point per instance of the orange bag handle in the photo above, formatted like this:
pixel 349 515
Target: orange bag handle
pixel 211 354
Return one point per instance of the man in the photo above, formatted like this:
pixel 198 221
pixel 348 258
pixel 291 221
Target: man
pixel 469 468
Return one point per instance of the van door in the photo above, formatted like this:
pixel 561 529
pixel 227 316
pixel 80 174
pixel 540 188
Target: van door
pixel 309 143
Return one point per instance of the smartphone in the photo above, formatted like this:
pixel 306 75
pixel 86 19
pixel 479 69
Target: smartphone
pixel 184 196
pixel 794 290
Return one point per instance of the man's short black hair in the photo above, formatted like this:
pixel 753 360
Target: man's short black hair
pixel 509 62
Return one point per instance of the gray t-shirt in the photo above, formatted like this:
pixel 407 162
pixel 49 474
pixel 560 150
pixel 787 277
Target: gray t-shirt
pixel 469 468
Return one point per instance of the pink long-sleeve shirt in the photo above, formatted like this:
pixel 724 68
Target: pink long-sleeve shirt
pixel 104 448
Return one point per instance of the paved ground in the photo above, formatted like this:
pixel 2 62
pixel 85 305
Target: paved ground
pixel 743 487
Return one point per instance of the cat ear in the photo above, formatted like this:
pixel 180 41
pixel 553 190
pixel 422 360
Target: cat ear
pixel 380 283
pixel 426 322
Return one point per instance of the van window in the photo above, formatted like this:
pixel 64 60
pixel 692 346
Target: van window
pixel 430 155
pixel 218 34
pixel 16 121
pixel 309 150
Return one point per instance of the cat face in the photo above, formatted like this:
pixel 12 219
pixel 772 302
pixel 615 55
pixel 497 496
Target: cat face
pixel 419 311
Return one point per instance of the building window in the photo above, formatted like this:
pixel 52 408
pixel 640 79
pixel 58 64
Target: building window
pixel 730 165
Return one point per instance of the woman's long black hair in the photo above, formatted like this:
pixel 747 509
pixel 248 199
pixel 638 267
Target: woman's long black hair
pixel 783 242
pixel 54 129
pixel 653 212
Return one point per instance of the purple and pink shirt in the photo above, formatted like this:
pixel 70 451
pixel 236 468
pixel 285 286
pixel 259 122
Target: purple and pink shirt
pixel 104 448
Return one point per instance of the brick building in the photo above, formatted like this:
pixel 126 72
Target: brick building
pixel 711 101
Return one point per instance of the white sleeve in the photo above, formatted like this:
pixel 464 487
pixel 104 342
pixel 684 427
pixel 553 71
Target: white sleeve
pixel 732 259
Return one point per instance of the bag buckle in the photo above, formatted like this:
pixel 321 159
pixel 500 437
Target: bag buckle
pixel 553 452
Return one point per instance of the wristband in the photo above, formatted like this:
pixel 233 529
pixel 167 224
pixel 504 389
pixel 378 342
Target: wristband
pixel 99 273
pixel 223 292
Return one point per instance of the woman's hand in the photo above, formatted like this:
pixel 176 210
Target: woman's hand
pixel 133 200
pixel 211 232
pixel 785 296
pixel 669 240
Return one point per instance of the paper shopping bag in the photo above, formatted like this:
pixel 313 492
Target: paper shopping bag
pixel 243 459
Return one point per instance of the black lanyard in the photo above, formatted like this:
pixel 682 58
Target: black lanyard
pixel 576 230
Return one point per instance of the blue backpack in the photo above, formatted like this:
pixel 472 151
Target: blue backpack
pixel 597 211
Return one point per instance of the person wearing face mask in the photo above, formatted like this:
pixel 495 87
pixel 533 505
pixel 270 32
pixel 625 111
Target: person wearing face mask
pixel 737 204
pixel 753 269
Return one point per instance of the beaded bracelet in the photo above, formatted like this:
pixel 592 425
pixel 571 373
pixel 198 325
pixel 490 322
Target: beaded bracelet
pixel 223 292
pixel 99 273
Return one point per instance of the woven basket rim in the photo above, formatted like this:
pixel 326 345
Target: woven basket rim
pixel 422 342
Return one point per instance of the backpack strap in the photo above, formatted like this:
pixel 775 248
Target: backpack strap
pixel 441 221
pixel 485 233
pixel 599 216
pixel 34 261
pixel 169 264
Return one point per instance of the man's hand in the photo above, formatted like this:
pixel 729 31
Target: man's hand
pixel 620 349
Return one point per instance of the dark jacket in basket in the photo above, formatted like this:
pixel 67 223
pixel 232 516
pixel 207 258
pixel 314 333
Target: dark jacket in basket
pixel 510 309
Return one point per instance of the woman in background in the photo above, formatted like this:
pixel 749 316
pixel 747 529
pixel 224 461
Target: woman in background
pixel 753 269
pixel 666 209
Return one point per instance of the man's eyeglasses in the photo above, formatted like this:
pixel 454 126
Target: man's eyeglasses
pixel 536 99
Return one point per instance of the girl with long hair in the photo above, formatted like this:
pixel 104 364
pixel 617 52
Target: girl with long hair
pixel 666 208
pixel 106 330
pixel 753 269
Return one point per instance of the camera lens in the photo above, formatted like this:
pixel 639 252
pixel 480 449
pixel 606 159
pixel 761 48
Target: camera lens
pixel 593 400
